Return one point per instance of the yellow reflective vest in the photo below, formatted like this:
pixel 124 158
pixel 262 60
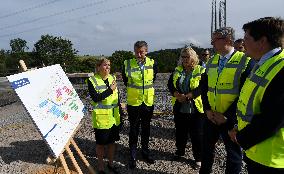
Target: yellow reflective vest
pixel 194 83
pixel 269 152
pixel 140 86
pixel 106 112
pixel 224 88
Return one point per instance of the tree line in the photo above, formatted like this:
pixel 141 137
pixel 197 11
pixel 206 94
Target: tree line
pixel 51 50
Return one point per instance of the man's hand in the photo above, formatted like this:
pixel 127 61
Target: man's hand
pixel 210 115
pixel 189 95
pixel 219 118
pixel 180 97
pixel 232 134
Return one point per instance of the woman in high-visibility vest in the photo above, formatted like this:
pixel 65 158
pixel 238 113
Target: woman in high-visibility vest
pixel 106 113
pixel 187 105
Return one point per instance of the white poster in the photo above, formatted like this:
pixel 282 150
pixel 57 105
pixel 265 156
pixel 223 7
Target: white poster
pixel 52 102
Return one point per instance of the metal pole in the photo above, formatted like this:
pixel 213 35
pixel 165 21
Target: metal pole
pixel 212 13
pixel 215 24
pixel 220 14
pixel 225 13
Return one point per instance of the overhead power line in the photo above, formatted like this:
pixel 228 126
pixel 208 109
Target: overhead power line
pixel 28 9
pixel 82 17
pixel 54 14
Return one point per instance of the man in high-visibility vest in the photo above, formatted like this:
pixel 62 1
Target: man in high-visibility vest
pixel 239 45
pixel 204 57
pixel 225 73
pixel 138 76
pixel 260 113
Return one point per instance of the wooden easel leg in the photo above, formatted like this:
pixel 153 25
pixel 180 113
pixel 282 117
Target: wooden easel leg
pixel 64 164
pixel 69 152
pixel 91 169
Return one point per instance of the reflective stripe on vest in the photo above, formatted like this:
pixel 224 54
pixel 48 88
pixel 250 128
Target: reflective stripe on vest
pixel 221 87
pixel 269 152
pixel 101 106
pixel 140 87
pixel 261 82
pixel 194 83
pixel 97 87
pixel 239 67
pixel 105 112
pixel 131 70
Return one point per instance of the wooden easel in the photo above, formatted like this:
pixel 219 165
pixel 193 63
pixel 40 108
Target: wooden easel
pixel 71 141
pixel 70 154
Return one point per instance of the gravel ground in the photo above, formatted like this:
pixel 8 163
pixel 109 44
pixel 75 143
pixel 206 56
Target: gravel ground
pixel 22 149
pixel 7 94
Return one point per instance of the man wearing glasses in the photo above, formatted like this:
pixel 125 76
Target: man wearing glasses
pixel 239 45
pixel 205 56
pixel 225 73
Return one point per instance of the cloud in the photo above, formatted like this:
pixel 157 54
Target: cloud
pixel 185 41
pixel 100 28
pixel 105 27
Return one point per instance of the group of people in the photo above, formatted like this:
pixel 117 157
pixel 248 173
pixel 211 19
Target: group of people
pixel 236 95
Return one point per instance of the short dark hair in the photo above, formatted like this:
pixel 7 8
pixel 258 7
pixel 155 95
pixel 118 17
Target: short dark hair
pixel 227 32
pixel 239 40
pixel 270 27
pixel 140 44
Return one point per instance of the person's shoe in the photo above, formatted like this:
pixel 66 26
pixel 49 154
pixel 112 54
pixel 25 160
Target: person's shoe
pixel 148 159
pixel 132 163
pixel 176 157
pixel 112 169
pixel 196 165
pixel 101 172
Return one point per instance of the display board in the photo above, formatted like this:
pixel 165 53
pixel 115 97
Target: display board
pixel 52 103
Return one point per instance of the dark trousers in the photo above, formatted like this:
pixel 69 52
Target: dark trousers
pixel 192 125
pixel 139 116
pixel 256 168
pixel 212 134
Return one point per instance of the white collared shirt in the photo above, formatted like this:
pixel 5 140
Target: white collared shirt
pixel 268 55
pixel 227 56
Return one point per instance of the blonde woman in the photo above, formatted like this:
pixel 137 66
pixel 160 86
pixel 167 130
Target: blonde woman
pixel 187 105
pixel 106 114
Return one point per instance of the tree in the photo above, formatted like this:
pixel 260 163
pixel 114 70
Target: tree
pixel 2 63
pixel 83 64
pixel 54 50
pixel 8 64
pixel 19 52
pixel 166 59
pixel 117 59
pixel 18 45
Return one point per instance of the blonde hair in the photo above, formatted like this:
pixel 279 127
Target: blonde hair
pixel 100 62
pixel 188 51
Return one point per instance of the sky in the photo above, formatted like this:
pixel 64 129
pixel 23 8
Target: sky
pixel 100 27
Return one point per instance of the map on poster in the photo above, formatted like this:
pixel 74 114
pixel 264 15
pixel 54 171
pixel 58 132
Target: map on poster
pixel 52 102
